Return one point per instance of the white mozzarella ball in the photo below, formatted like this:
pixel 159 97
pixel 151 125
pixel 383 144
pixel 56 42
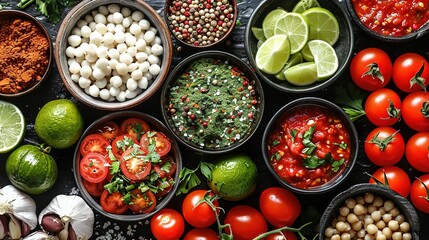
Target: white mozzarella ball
pixel 122 68
pixel 81 23
pixel 157 49
pixel 130 40
pixel 85 31
pixel 96 38
pixel 143 83
pixel 84 82
pixel 141 56
pixel 119 37
pixel 92 26
pixel 94 91
pixel 144 66
pixel 114 91
pixel 130 94
pixel 141 44
pixel 74 67
pixel 132 51
pixel 126 12
pixel 144 24
pixel 118 17
pixel 91 58
pixel 113 8
pixel 104 94
pixel 157 40
pixel 92 49
pixel 89 18
pixel 154 69
pixel 136 74
pixel 149 36
pixel 137 16
pixel 110 18
pixel 103 10
pixel 101 28
pixel 74 40
pixel 119 28
pixel 121 96
pixel 127 22
pixel 100 18
pixel 111 27
pixel 135 29
pixel 152 59
pixel 108 38
pixel 131 84
pixel 102 63
pixel 86 71
pixel 125 58
pixel 85 47
pixel 148 75
pixel 98 73
pixel 101 83
pixel 102 52
pixel 133 66
pixel 113 63
pixel 76 31
pixel 115 81
pixel 70 52
pixel 75 78
pixel 113 53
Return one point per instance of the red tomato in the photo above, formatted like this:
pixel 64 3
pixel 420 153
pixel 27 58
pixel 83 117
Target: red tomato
pixel 93 167
pixel 164 186
pixel 133 166
pixel 417 151
pixel 246 222
pixel 121 143
pixel 397 179
pixel 142 202
pixel 162 143
pixel 167 224
pixel 113 202
pixel 94 189
pixel 415 111
pixel 109 130
pixel 166 167
pixel 201 215
pixel 94 143
pixel 411 72
pixel 201 234
pixel 384 146
pixel 383 107
pixel 278 236
pixel 279 206
pixel 134 127
pixel 371 69
pixel 419 193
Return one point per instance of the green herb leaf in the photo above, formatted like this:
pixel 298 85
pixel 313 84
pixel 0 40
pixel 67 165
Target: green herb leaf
pixel 275 143
pixel 312 162
pixel 166 167
pixel 350 98
pixel 127 198
pixel 206 169
pixel 336 165
pixel 276 156
pixel 342 145
pixel 115 168
pixel 188 180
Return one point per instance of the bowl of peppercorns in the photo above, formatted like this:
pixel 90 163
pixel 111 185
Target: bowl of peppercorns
pixel 200 23
pixel 212 102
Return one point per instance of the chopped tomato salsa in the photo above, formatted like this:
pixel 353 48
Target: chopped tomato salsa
pixel 392 17
pixel 309 146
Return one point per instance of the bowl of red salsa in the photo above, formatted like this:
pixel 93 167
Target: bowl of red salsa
pixel 391 21
pixel 310 145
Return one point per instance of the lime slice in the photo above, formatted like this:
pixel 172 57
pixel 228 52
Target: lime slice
pixel 294 26
pixel 323 25
pixel 302 74
pixel 258 33
pixel 325 58
pixel 273 54
pixel 270 20
pixel 12 126
pixel 306 54
pixel 259 43
pixel 293 60
pixel 303 5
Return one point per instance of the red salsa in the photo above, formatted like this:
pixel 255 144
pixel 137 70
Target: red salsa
pixel 309 146
pixel 392 17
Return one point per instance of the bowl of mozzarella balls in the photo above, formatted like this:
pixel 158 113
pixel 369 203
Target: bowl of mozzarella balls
pixel 113 55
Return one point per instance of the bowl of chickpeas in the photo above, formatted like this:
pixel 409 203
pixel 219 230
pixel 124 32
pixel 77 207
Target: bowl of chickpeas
pixel 369 211
pixel 113 56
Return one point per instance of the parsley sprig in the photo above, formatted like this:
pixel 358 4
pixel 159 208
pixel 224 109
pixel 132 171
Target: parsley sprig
pixel 52 9
pixel 350 98
pixel 189 178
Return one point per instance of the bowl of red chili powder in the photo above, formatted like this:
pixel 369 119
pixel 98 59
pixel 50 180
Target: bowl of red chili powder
pixel 310 145
pixel 26 53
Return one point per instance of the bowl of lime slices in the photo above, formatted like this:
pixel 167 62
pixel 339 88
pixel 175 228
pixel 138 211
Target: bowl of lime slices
pixel 299 46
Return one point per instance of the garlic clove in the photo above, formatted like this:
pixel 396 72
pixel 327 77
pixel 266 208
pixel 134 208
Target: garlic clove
pixel 14 228
pixel 25 229
pixel 64 234
pixel 72 233
pixel 39 235
pixel 4 226
pixel 52 223
pixel 22 206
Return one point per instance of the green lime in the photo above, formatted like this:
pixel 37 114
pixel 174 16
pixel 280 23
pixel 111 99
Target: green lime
pixel 258 33
pixel 233 177
pixel 12 126
pixel 294 26
pixel 59 123
pixel 302 74
pixel 273 54
pixel 259 43
pixel 325 58
pixel 303 5
pixel 323 25
pixel 294 59
pixel 306 54
pixel 270 20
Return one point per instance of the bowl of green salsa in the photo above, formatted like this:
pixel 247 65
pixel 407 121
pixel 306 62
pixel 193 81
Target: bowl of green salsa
pixel 212 102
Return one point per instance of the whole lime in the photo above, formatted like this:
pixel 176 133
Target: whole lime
pixel 233 177
pixel 59 123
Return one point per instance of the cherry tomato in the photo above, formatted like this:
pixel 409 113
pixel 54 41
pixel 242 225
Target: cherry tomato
pixel 201 234
pixel 164 186
pixel 411 72
pixel 93 167
pixel 246 222
pixel 277 236
pixel 94 143
pixel 279 206
pixel 383 107
pixel 134 127
pixel 419 193
pixel 166 167
pixel 371 69
pixel 113 202
pixel 133 166
pixel 167 224
pixel 417 151
pixel 121 143
pixel 162 143
pixel 415 110
pixel 94 189
pixel 142 202
pixel 384 146
pixel 397 179
pixel 201 215
pixel 109 130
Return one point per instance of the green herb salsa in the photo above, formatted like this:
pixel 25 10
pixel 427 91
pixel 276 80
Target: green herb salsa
pixel 213 104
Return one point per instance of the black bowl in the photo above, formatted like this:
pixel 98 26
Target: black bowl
pixel 333 109
pixel 343 47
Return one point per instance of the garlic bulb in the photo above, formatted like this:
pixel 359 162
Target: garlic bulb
pixel 18 204
pixel 72 210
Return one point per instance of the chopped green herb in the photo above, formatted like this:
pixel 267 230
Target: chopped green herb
pixel 306 140
pixel 293 133
pixel 336 165
pixel 166 167
pixel 127 198
pixel 313 162
pixel 115 168
pixel 275 143
pixel 342 145
pixel 276 156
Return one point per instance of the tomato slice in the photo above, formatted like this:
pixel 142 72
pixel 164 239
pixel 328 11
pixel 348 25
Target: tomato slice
pixel 142 202
pixel 94 189
pixel 121 143
pixel 113 202
pixel 133 166
pixel 166 167
pixel 94 167
pixel 162 143
pixel 94 143
pixel 164 186
pixel 134 127
pixel 109 130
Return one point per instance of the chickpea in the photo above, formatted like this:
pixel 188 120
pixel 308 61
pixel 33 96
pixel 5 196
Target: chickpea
pixel 388 205
pixel 336 237
pixel 350 203
pixel 352 218
pixel 371 229
pixel 376 215
pixel 394 225
pixel 369 237
pixel 395 212
pixel 359 209
pixel 405 227
pixel 345 236
pixel 368 197
pixel 380 224
pixel 344 211
pixel 387 232
pixel 378 201
pixel 329 232
pixel 341 226
pixel 397 236
pixel 406 236
pixel 357 226
pixel 387 217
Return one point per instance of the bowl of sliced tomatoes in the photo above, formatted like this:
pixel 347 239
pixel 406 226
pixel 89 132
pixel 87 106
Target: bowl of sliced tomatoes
pixel 127 165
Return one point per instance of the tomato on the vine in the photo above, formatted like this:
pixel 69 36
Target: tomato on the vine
pixel 384 146
pixel 397 179
pixel 135 127
pixel 278 236
pixel 383 107
pixel 113 202
pixel 133 166
pixel 201 215
pixel 279 206
pixel 246 222
pixel 417 151
pixel 167 224
pixel 201 234
pixel 109 130
pixel 419 193
pixel 142 202
pixel 93 167
pixel 411 72
pixel 371 69
pixel 415 110
pixel 94 143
